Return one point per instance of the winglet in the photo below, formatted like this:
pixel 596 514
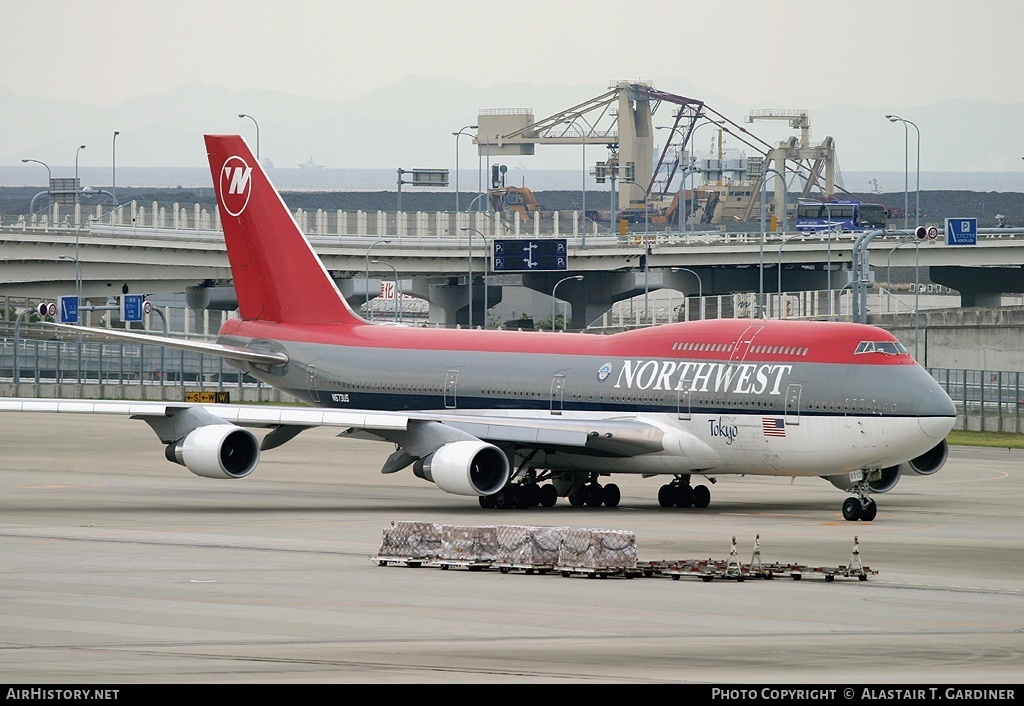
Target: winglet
pixel 277 275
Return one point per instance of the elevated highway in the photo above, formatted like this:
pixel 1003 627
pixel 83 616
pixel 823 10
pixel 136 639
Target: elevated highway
pixel 42 260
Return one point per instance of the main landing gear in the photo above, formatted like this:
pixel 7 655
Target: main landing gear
pixel 521 496
pixel 593 494
pixel 532 494
pixel 679 493
pixel 860 508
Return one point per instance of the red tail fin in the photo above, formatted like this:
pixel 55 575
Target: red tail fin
pixel 278 277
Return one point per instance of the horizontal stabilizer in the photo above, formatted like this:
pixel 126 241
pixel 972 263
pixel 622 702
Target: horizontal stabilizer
pixel 230 352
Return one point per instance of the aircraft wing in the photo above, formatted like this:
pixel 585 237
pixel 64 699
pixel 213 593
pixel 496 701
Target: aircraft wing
pixel 248 355
pixel 418 432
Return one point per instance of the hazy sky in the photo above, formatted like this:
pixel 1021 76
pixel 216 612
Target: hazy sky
pixel 806 53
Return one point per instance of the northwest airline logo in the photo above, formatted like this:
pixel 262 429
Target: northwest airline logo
pixel 738 378
pixel 235 185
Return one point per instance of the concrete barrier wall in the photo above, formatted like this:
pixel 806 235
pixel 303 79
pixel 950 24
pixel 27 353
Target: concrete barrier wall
pixel 972 338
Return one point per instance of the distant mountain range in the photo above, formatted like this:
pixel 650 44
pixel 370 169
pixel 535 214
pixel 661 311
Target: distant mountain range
pixel 409 124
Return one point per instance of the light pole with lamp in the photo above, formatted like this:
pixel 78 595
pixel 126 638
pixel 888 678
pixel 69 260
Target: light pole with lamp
pixel 479 174
pixel 113 167
pixel 460 133
pixel 700 288
pixel 917 281
pixel 764 231
pixel 244 115
pixel 888 273
pixel 828 247
pixel 80 148
pixel 49 176
pixel 779 293
pixel 49 182
pixel 398 314
pixel 583 201
pixel 376 242
pixel 906 169
pixel 555 301
pixel 647 248
pixel 471 231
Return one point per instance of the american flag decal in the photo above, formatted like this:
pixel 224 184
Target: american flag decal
pixel 773 426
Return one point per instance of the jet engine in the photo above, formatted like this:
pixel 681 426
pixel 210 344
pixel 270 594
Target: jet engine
pixel 928 462
pixel 465 468
pixel 885 479
pixel 216 451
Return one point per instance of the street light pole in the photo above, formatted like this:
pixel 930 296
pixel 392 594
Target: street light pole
pixel 367 285
pixel 457 136
pixel 583 202
pixel 398 315
pixel 81 147
pixel 554 301
pixel 647 248
pixel 917 196
pixel 486 270
pixel 113 167
pixel 906 164
pixel 700 288
pixel 243 115
pixel 779 293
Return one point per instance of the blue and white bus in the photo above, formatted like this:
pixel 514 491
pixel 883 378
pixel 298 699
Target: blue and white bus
pixel 840 216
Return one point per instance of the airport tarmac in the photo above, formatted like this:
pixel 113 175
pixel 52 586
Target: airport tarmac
pixel 117 567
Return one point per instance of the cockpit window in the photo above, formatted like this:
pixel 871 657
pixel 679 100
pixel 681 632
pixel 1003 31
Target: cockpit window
pixel 884 347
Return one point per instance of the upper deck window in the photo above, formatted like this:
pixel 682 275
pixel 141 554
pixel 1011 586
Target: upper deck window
pixel 884 347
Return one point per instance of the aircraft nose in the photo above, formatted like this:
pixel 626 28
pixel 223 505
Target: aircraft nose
pixel 936 414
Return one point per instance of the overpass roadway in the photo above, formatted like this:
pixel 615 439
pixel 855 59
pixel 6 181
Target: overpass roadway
pixel 43 263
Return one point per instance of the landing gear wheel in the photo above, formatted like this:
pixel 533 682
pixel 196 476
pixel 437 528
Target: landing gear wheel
pixel 530 494
pixel 548 495
pixel 701 496
pixel 595 495
pixel 579 497
pixel 684 496
pixel 667 495
pixel 851 509
pixel 504 499
pixel 487 502
pixel 612 495
pixel 868 510
pixel 521 498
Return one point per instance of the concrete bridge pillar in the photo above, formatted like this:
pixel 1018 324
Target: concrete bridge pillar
pixel 449 301
pixel 595 294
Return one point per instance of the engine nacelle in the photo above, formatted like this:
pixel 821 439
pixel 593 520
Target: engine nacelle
pixel 885 479
pixel 929 462
pixel 217 451
pixel 465 468
pixel 879 481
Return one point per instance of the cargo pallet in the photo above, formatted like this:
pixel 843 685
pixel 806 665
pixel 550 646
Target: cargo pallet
pixel 704 569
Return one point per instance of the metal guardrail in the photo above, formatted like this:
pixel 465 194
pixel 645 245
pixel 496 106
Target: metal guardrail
pixel 986 400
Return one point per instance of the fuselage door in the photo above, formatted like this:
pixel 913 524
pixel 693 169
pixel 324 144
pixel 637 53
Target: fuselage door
pixel 557 390
pixel 451 380
pixel 742 345
pixel 683 404
pixel 311 383
pixel 793 391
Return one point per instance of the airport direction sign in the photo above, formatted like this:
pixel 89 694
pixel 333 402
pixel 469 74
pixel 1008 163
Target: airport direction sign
pixel 132 306
pixel 961 231
pixel 69 309
pixel 534 255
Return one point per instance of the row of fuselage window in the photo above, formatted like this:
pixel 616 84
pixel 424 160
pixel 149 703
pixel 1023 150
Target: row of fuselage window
pixel 728 348
pixel 863 406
